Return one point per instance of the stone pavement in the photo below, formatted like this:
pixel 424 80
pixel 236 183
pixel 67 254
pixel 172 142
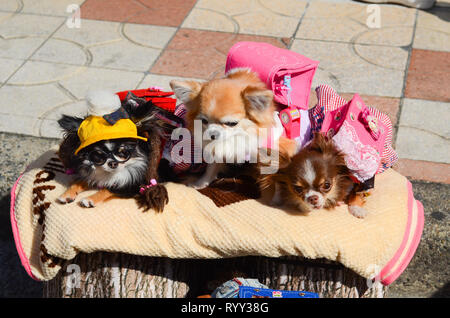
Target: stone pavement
pixel 396 58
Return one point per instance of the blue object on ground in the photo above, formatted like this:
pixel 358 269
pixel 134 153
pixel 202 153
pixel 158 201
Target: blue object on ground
pixel 252 292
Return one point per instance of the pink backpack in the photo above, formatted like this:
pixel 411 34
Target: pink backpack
pixel 272 64
pixel 281 70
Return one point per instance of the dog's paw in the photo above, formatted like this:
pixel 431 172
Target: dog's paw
pixel 87 203
pixel 357 211
pixel 65 199
pixel 154 198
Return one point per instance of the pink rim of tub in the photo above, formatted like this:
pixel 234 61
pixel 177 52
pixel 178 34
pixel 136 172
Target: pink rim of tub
pixel 388 274
pixel 15 230
pixel 400 261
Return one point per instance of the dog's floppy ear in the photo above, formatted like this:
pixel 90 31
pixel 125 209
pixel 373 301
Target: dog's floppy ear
pixel 70 123
pixel 132 100
pixel 257 102
pixel 322 144
pixel 267 180
pixel 325 145
pixel 185 91
pixel 257 99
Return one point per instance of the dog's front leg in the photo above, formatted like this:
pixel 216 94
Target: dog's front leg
pixel 212 170
pixel 355 205
pixel 97 198
pixel 72 192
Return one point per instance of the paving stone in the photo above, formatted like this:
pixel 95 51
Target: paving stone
pixel 148 35
pixel 201 54
pixel 368 70
pixel 428 75
pixel 48 128
pixel 353 22
pixel 107 44
pixel 124 55
pixel 30 126
pixel 262 23
pixel 206 19
pixel 92 78
pixel 413 143
pixel 28 25
pixel 424 132
pixel 49 7
pixel 7 67
pixel 247 17
pixel 90 33
pixel 107 10
pixel 10 5
pixel 155 12
pixel 31 101
pixel 20 47
pixel 76 108
pixel 427 115
pixel 424 170
pixel 17 124
pixel 36 73
pixel 46 125
pixel 168 12
pixel 62 51
pixel 432 31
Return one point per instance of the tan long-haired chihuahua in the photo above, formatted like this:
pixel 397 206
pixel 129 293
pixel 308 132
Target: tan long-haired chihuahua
pixel 238 105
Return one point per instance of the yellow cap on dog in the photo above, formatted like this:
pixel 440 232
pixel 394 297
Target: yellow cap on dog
pixel 96 128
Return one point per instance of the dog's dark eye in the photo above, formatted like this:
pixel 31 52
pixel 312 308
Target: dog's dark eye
pixel 204 121
pixel 122 153
pixel 298 189
pixel 326 186
pixel 97 157
pixel 231 123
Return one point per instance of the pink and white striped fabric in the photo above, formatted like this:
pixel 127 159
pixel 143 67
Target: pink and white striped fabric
pixel 329 100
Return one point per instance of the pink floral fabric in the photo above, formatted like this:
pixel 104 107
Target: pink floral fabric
pixel 363 160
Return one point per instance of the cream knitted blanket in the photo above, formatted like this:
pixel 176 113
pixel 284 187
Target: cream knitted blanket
pixel 212 223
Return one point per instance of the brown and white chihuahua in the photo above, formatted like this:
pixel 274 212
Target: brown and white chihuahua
pixel 315 178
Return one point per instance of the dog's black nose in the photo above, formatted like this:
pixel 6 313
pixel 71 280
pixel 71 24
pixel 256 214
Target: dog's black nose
pixel 314 199
pixel 113 164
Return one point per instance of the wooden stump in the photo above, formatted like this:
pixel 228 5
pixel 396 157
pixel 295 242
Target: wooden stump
pixel 121 275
